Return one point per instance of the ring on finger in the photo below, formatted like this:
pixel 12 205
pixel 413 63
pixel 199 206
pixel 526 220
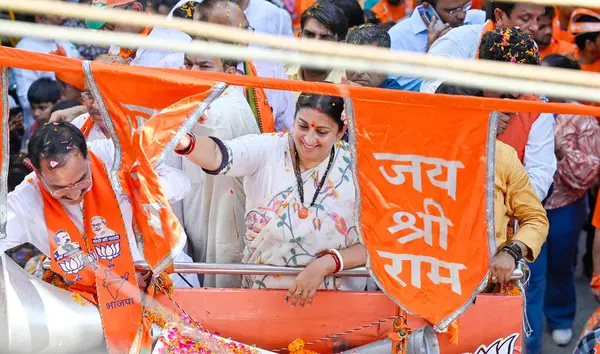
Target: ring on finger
pixel 494 278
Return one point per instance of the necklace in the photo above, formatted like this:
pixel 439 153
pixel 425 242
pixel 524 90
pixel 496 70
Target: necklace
pixel 303 210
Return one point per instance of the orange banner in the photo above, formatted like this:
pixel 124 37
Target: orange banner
pixel 146 125
pixel 423 188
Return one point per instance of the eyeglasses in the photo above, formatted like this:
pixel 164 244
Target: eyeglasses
pixel 87 96
pixel 84 186
pixel 250 28
pixel 466 7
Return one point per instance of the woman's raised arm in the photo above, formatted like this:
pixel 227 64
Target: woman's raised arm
pixel 201 150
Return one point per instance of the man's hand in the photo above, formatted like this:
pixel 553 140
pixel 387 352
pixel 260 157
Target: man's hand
pixel 432 34
pixel 501 268
pixel 16 122
pixel 67 115
pixel 503 120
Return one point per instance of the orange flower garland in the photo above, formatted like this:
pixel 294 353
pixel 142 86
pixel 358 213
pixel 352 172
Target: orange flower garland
pixel 297 347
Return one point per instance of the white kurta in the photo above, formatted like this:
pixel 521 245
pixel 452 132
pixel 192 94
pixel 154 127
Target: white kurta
pixel 213 211
pixel 26 208
pixel 24 78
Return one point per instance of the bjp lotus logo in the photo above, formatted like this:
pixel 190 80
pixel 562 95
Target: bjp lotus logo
pixel 74 265
pixel 500 346
pixel 109 252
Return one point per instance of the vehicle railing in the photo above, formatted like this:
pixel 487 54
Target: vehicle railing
pixel 255 269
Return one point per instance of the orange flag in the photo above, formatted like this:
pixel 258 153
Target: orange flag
pixel 426 214
pixel 144 137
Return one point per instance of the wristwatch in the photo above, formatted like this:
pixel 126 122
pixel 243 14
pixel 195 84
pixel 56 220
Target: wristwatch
pixel 514 250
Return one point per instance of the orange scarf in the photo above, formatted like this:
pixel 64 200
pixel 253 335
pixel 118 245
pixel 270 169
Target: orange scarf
pixel 86 128
pixel 257 99
pixel 129 54
pixel 517 133
pixel 99 265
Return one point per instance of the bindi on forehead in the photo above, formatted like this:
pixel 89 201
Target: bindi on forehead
pixel 313 124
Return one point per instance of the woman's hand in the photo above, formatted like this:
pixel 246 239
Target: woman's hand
pixel 501 268
pixel 308 281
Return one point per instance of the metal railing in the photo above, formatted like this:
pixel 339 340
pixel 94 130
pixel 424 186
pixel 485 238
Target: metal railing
pixel 256 269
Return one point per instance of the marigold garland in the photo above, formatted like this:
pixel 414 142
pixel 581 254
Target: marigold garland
pixel 297 347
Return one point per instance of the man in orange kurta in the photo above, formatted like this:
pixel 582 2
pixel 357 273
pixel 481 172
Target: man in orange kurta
pixel 545 39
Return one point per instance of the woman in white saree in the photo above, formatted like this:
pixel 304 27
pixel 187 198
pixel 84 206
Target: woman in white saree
pixel 300 198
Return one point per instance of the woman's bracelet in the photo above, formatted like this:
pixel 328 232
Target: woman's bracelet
pixel 337 258
pixel 190 148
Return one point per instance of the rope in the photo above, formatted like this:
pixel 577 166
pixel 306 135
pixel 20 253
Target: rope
pixel 228 51
pixel 345 333
pixel 419 64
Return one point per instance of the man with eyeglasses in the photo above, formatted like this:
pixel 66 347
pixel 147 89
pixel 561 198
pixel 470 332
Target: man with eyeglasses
pixel 417 34
pixel 66 169
pixel 463 42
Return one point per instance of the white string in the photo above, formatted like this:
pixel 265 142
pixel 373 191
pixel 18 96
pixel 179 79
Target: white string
pixel 420 62
pixel 228 51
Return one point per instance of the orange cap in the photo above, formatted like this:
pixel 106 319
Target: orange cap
pixel 584 27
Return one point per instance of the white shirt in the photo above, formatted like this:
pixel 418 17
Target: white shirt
pixel 461 42
pixel 155 58
pixel 24 78
pixel 410 34
pixel 539 159
pixel 282 102
pixel 265 17
pixel 26 206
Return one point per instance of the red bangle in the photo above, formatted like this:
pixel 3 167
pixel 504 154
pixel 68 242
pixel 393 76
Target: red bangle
pixel 595 283
pixel 338 263
pixel 190 148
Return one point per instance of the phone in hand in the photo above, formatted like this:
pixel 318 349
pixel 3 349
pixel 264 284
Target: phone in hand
pixel 428 14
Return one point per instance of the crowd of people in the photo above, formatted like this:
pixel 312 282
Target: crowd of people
pixel 241 195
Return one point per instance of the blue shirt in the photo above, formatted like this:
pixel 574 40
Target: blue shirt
pixel 407 84
pixel 410 35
